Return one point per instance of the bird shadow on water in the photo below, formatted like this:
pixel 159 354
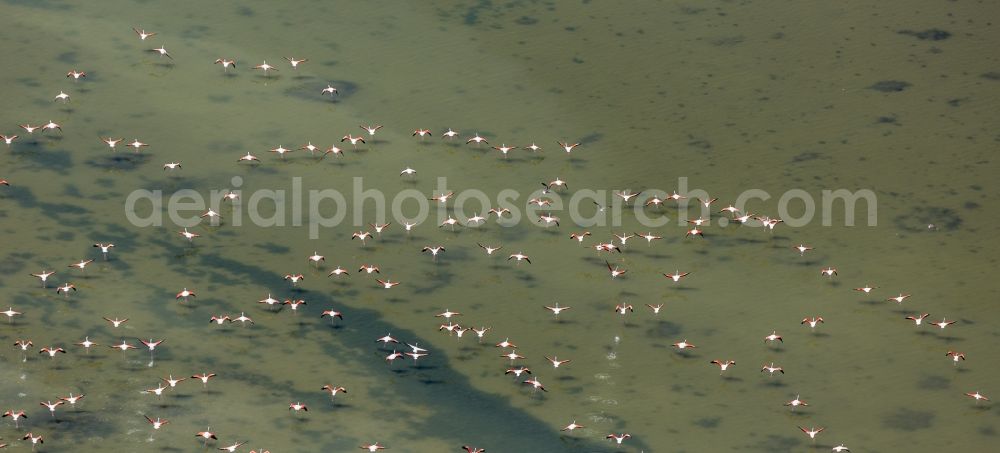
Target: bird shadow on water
pixel 905 419
pixel 311 90
pixel 119 162
pixel 683 288
pixel 777 443
pixel 665 330
pixel 57 160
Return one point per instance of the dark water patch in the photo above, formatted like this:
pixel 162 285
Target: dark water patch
pixel 890 86
pixel 64 213
pixel 807 156
pixel 934 382
pixel 526 20
pixel 471 16
pixel 728 41
pixel 41 4
pixel 777 443
pixel 245 11
pixel 918 218
pixel 932 34
pixel 698 143
pixel 708 422
pixel 435 381
pixel 68 57
pixel 71 190
pixel 892 119
pixel 957 102
pixel 904 419
pixel 233 146
pixel 14 263
pixel 196 32
pixel 990 75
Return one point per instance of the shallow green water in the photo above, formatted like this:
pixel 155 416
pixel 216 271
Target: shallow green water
pixel 729 95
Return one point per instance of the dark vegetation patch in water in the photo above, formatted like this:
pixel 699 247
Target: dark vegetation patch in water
pixel 890 86
pixel 992 75
pixel 904 419
pixel 932 34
